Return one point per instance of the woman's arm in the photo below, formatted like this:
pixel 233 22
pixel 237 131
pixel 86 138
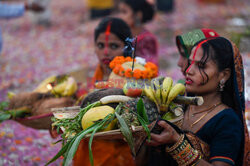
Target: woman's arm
pixel 179 147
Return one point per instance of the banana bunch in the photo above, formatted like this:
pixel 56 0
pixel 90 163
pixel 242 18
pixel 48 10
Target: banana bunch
pixel 60 86
pixel 162 91
pixel 43 86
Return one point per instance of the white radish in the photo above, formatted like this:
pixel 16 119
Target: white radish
pixel 114 99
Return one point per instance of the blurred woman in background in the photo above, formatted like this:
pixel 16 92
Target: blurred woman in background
pixel 136 14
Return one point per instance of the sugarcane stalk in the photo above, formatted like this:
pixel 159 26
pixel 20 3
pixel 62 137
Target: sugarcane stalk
pixel 197 100
pixel 176 109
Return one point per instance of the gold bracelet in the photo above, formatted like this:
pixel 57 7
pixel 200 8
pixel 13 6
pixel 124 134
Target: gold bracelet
pixel 196 161
pixel 178 143
pixel 183 153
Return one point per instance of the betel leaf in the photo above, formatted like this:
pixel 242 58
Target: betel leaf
pixel 126 132
pixel 142 111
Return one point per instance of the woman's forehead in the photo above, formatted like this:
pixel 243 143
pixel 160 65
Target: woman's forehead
pixel 111 37
pixel 196 53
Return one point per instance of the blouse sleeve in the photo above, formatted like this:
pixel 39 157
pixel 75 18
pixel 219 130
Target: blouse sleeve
pixel 227 137
pixel 148 47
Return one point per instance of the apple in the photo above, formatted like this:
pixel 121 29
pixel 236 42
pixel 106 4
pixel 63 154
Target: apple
pixel 132 89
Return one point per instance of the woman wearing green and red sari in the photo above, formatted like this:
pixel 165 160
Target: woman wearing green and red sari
pixel 214 133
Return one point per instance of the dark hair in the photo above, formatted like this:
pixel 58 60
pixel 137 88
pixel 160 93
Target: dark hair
pixel 118 27
pixel 220 51
pixel 143 6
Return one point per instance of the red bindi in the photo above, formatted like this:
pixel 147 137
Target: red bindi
pixel 107 33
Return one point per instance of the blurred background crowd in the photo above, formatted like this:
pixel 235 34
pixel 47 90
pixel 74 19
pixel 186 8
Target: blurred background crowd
pixel 59 39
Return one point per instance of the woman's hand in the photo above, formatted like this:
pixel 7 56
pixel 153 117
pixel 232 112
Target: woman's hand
pixel 167 136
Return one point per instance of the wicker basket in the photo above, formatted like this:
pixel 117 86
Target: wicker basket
pixel 70 112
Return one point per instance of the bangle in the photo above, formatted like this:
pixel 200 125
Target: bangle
pixel 178 143
pixel 196 161
pixel 183 153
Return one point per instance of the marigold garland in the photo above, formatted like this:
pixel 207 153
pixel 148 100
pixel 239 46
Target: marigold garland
pixel 151 70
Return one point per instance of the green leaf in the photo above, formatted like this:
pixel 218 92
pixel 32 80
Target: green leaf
pixel 95 127
pixel 126 132
pixel 103 124
pixel 4 117
pixel 181 81
pixel 142 111
pixel 75 143
pixel 4 105
pixel 59 154
pixel 144 125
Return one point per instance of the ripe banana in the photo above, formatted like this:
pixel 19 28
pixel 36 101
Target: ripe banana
pixel 42 87
pixel 59 89
pixel 166 87
pixel 148 91
pixel 177 89
pixel 71 87
pixel 156 84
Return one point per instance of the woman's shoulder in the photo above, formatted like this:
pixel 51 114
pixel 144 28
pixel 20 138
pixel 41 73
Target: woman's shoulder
pixel 226 119
pixel 146 35
pixel 227 114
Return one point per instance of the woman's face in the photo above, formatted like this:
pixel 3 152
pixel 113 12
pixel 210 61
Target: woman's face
pixel 126 14
pixel 201 78
pixel 106 48
pixel 182 61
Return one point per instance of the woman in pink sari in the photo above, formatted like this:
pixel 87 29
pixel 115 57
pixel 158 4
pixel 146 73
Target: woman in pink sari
pixel 136 14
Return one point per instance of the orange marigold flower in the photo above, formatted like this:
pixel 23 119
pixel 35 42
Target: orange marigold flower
pixel 129 73
pixel 155 74
pixel 122 71
pixel 112 64
pixel 119 58
pixel 151 65
pixel 117 69
pixel 150 73
pixel 137 74
pixel 128 59
pixel 144 74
